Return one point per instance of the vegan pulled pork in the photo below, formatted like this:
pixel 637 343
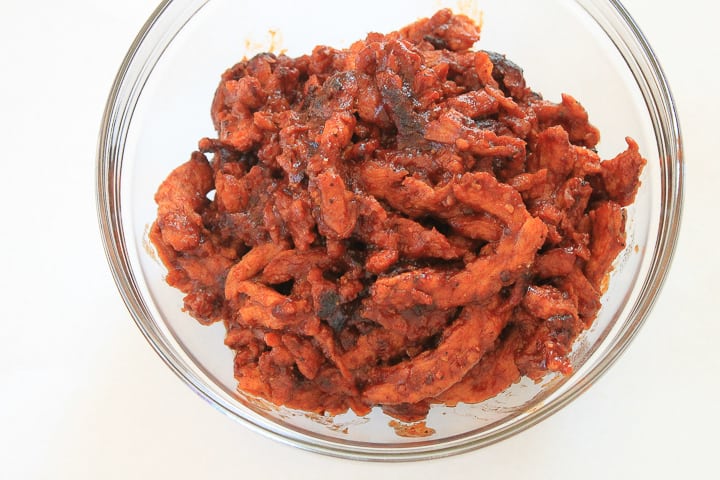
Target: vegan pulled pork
pixel 397 224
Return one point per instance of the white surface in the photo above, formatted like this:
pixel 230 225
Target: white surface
pixel 82 396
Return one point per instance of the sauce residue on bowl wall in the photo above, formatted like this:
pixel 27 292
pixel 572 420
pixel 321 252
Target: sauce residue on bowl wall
pixel 411 430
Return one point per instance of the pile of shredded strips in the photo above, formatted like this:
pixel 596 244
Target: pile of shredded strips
pixel 398 224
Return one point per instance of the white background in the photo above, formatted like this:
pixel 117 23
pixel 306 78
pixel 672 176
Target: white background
pixel 82 396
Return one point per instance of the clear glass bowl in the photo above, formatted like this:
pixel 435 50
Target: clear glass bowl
pixel 159 107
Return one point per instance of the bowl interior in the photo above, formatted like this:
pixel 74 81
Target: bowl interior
pixel 561 48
